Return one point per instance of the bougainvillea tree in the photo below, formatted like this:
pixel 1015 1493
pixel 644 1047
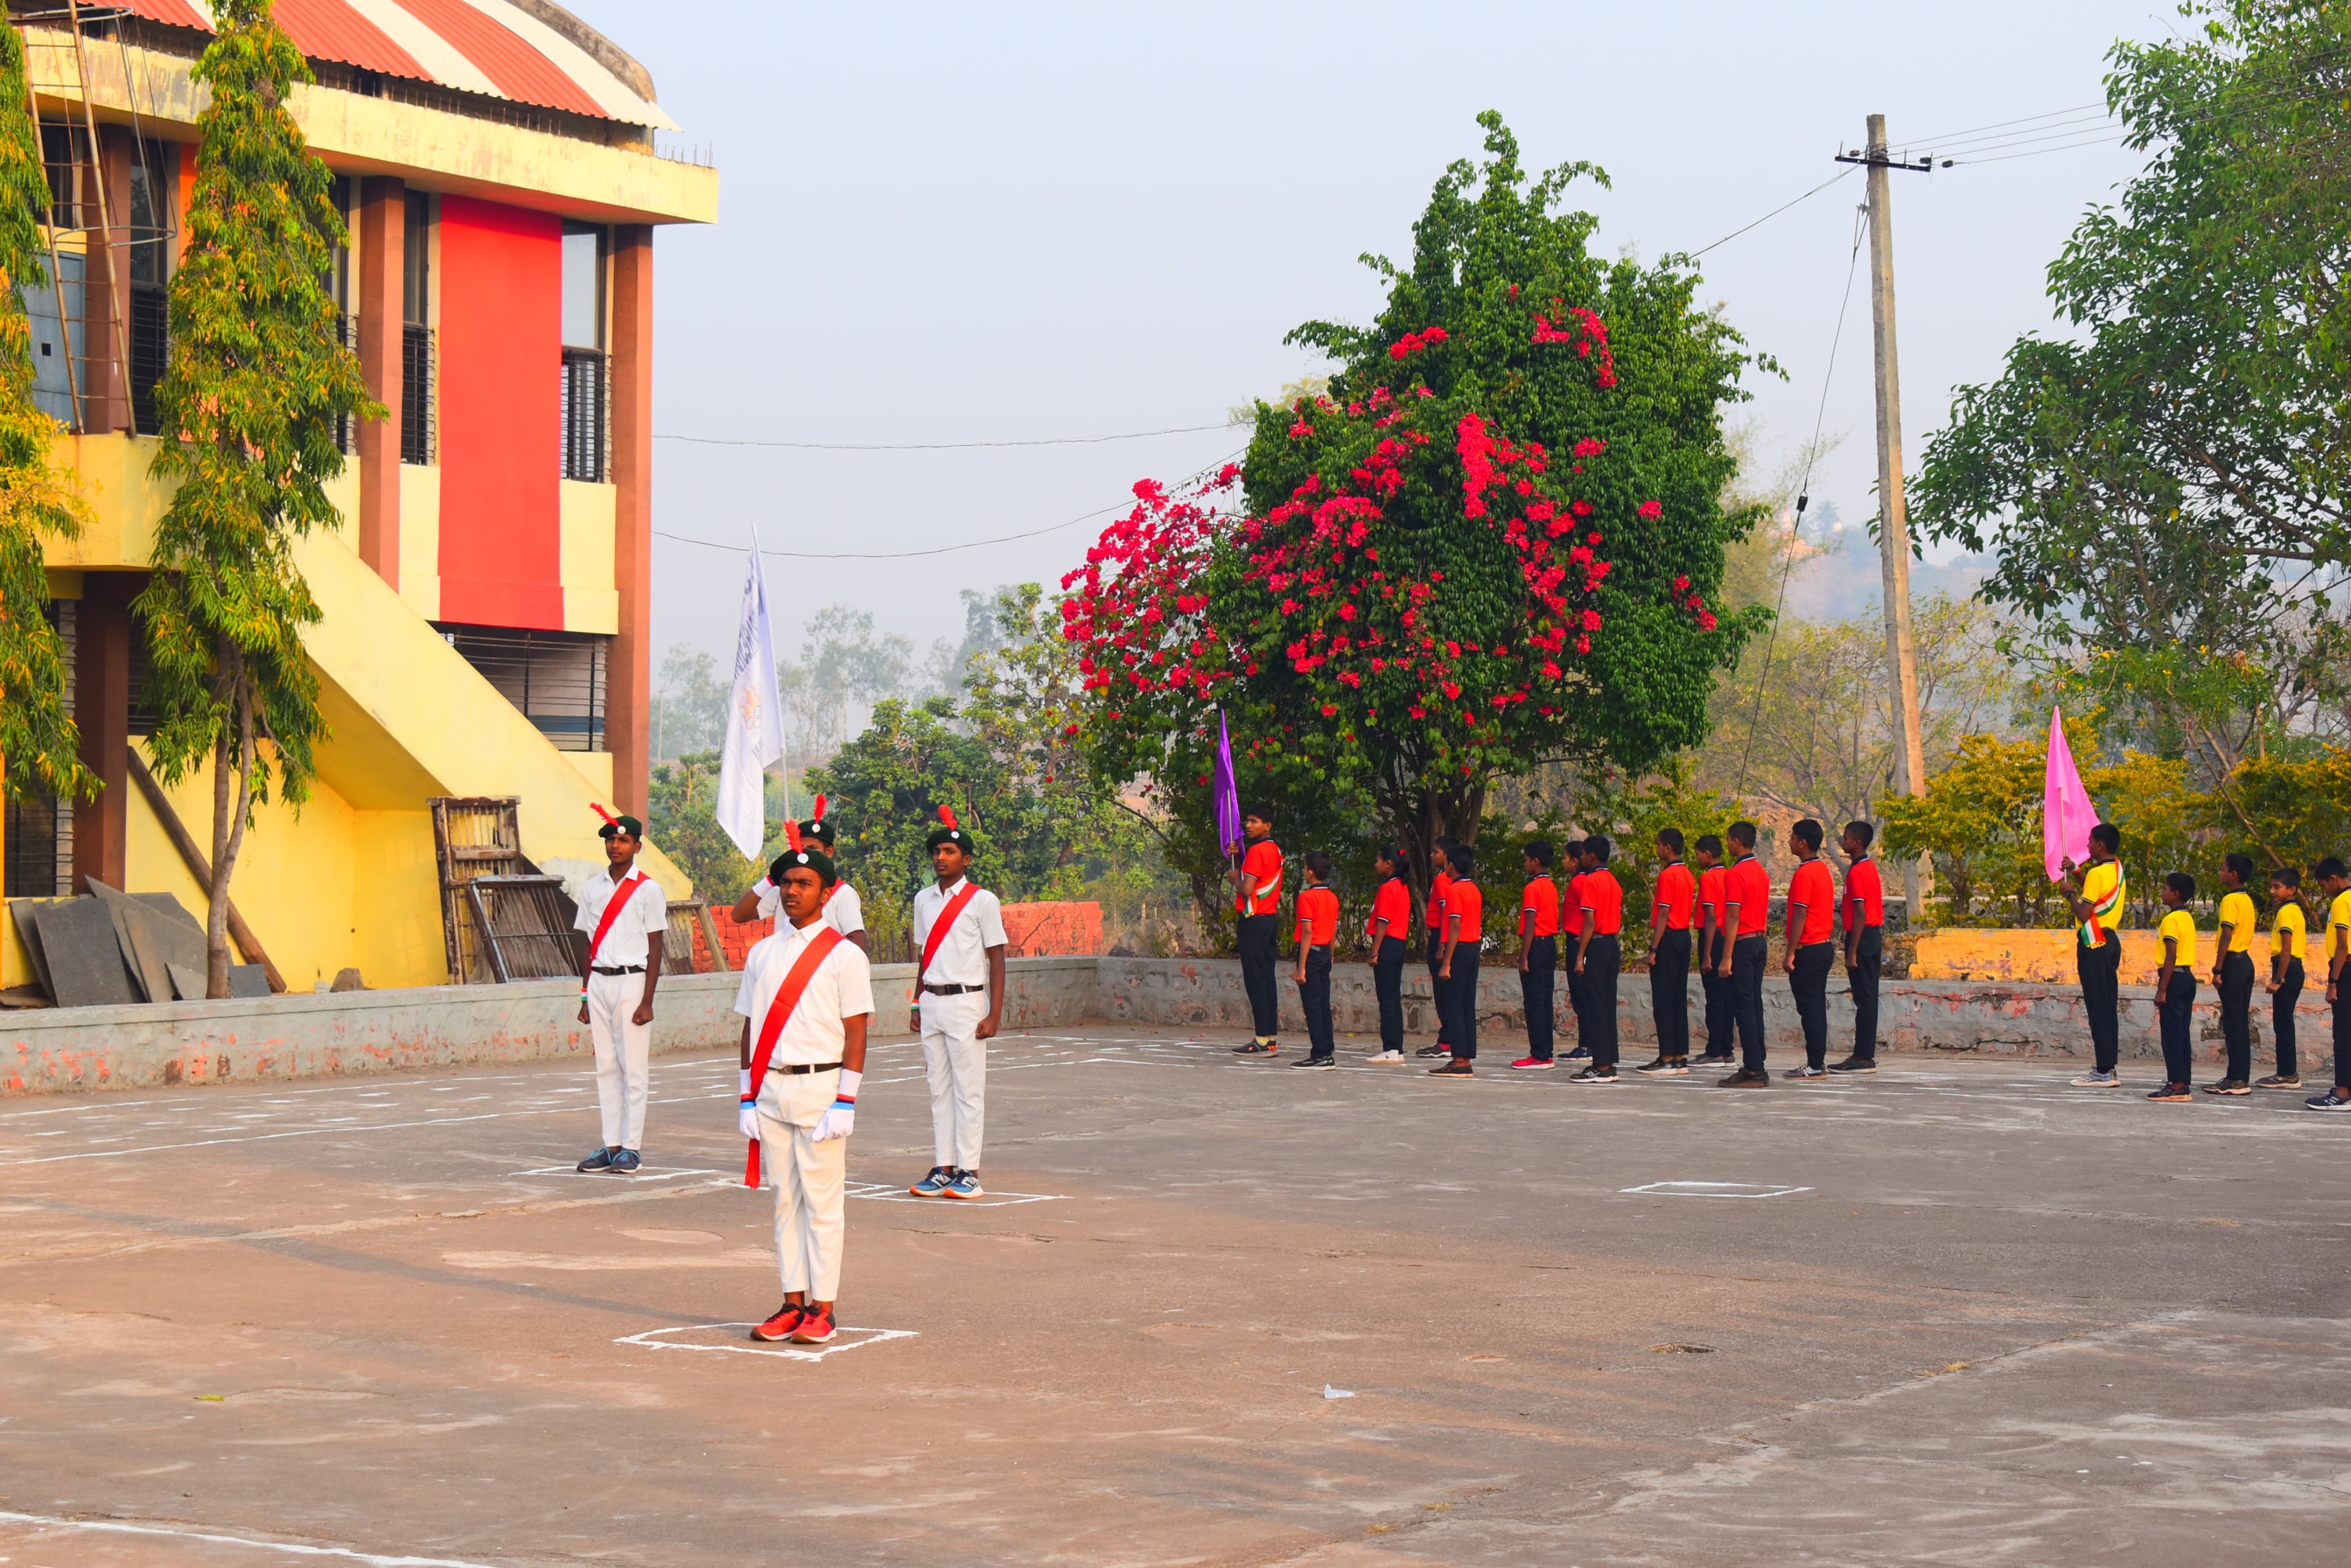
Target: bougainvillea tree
pixel 1493 543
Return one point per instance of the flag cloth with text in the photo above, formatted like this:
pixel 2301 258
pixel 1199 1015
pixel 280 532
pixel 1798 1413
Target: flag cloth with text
pixel 755 721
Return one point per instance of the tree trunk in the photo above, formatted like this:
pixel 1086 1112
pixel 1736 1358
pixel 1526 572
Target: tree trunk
pixel 228 832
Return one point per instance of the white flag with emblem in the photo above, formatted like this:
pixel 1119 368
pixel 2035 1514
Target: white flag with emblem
pixel 755 721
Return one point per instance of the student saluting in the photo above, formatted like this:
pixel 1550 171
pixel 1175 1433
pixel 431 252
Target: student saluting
pixel 842 909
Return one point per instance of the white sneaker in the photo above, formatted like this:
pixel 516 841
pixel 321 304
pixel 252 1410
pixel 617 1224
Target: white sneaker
pixel 2094 1079
pixel 1385 1056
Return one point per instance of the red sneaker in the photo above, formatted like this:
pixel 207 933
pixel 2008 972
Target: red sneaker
pixel 815 1328
pixel 1531 1064
pixel 779 1327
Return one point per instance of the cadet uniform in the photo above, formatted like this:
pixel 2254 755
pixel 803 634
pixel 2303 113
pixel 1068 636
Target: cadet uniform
pixel 954 999
pixel 616 984
pixel 843 910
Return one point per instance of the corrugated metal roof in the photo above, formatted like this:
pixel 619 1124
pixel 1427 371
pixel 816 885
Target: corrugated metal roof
pixel 485 47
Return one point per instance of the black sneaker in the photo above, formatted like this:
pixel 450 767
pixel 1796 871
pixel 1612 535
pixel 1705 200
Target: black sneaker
pixel 1746 1078
pixel 1458 1068
pixel 1854 1064
pixel 1324 1062
pixel 2229 1086
pixel 1658 1065
pixel 1439 1048
pixel 1258 1048
pixel 1595 1076
pixel 1713 1059
pixel 626 1162
pixel 1805 1071
pixel 602 1160
pixel 2279 1081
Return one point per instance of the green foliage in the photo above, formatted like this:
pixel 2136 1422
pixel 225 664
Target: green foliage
pixel 257 380
pixel 1980 819
pixel 2285 810
pixel 39 743
pixel 681 816
pixel 1630 811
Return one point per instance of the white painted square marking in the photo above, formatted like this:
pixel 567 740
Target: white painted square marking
pixel 1713 1190
pixel 881 1192
pixel 736 1340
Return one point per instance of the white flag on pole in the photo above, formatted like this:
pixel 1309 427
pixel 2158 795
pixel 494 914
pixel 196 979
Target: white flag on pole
pixel 754 720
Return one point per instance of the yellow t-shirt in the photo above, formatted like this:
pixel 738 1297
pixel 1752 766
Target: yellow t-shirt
pixel 2238 913
pixel 2286 931
pixel 2338 926
pixel 2102 890
pixel 2180 927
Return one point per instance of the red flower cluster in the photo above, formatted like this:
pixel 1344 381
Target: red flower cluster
pixel 1588 333
pixel 1142 624
pixel 1413 342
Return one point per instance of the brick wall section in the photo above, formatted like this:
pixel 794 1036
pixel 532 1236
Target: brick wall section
pixel 1043 930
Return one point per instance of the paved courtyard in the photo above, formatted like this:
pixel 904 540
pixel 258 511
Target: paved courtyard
pixel 1213 1312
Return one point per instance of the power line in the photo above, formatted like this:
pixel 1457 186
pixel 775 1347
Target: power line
pixel 940 446
pixel 1774 213
pixel 2002 124
pixel 2038 152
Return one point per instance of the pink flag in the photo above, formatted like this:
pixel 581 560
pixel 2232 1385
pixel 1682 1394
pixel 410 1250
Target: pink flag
pixel 2067 814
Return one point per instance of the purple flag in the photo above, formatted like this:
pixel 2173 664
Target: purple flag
pixel 1228 792
pixel 2067 814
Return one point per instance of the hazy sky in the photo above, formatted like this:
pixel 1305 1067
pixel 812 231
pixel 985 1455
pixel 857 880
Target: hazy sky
pixel 957 222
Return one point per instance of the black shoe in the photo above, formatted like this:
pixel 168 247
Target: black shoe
pixel 1439 1048
pixel 2279 1081
pixel 1458 1068
pixel 626 1162
pixel 602 1160
pixel 1713 1059
pixel 1258 1048
pixel 1593 1075
pixel 1746 1078
pixel 1854 1064
pixel 1658 1065
pixel 1316 1061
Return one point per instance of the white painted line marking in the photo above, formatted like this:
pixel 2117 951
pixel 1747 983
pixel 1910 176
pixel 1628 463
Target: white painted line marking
pixel 1714 1189
pixel 652 1339
pixel 882 1193
pixel 290 1549
pixel 606 1175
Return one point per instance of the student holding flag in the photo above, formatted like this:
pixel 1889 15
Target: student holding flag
pixel 2097 900
pixel 960 1003
pixel 623 916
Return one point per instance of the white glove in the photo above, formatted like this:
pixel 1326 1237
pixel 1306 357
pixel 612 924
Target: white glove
pixel 771 898
pixel 747 1114
pixel 841 1119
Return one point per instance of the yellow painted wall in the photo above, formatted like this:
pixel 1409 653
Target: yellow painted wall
pixel 420 538
pixel 2048 956
pixel 590 523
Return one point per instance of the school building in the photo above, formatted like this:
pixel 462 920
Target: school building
pixel 504 169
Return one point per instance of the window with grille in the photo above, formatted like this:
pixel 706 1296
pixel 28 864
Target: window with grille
pixel 38 830
pixel 417 357
pixel 586 374
pixel 585 417
pixel 555 679
pixel 152 170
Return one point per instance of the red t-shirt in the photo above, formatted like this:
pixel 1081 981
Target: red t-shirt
pixel 1571 911
pixel 1263 861
pixel 1604 901
pixel 1813 889
pixel 1865 896
pixel 1676 891
pixel 1538 909
pixel 1749 885
pixel 1710 884
pixel 1318 916
pixel 1436 888
pixel 1391 911
pixel 1463 898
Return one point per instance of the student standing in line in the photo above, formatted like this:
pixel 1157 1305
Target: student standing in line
pixel 1811 943
pixel 1537 958
pixel 1865 944
pixel 1570 930
pixel 842 909
pixel 1318 928
pixel 1465 930
pixel 2232 976
pixel 2098 953
pixel 1713 949
pixel 1258 884
pixel 1669 958
pixel 2286 927
pixel 2337 883
pixel 2175 989
pixel 1599 956
pixel 959 944
pixel 1390 931
pixel 1747 916
pixel 624 918
pixel 1440 879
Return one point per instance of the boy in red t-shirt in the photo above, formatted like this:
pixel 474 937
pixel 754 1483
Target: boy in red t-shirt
pixel 1713 948
pixel 1670 909
pixel 1864 909
pixel 1599 955
pixel 1571 934
pixel 1810 939
pixel 1440 878
pixel 1318 928
pixel 1538 956
pixel 1465 932
pixel 1257 885
pixel 1390 932
pixel 1747 919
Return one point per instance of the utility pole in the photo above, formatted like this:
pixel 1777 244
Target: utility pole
pixel 1893 515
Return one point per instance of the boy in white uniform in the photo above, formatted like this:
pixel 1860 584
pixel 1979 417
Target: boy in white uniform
pixel 958 1002
pixel 805 1107
pixel 842 909
pixel 618 1008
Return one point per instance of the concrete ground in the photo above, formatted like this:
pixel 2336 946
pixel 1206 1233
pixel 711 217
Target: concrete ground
pixel 1957 1312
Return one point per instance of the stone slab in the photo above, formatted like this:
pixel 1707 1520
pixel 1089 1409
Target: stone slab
pixel 84 954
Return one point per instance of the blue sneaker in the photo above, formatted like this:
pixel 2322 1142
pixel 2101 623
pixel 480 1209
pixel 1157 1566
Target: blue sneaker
pixel 2094 1079
pixel 1578 1054
pixel 626 1162
pixel 2328 1101
pixel 602 1160
pixel 965 1185
pixel 934 1184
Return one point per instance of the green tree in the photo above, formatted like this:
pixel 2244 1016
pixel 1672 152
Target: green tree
pixel 248 406
pixel 39 743
pixel 682 817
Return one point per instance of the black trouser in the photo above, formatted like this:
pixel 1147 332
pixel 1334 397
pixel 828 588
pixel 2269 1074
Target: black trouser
pixel 2289 992
pixel 1259 961
pixel 1537 983
pixel 1719 994
pixel 1863 977
pixel 2177 1014
pixel 1575 1008
pixel 1461 997
pixel 2100 971
pixel 1747 955
pixel 1602 959
pixel 2342 1040
pixel 1314 1000
pixel 1810 981
pixel 2237 1015
pixel 1670 994
pixel 1387 983
pixel 1436 989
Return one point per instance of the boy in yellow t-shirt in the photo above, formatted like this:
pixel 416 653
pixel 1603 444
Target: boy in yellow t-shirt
pixel 2332 878
pixel 2285 975
pixel 2175 986
pixel 2097 902
pixel 2232 976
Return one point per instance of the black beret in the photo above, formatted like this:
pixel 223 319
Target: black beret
pixel 623 824
pixel 816 861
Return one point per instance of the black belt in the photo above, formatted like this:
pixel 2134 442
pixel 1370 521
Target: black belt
pixel 626 969
pixel 803 1067
pixel 952 990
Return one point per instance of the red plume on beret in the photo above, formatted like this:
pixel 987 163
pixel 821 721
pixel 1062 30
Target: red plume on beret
pixel 946 816
pixel 608 816
pixel 792 836
pixel 818 815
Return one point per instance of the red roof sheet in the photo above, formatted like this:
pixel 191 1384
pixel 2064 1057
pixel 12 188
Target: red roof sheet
pixel 330 31
pixel 520 71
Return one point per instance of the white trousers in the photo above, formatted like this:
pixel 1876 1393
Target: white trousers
pixel 624 1056
pixel 810 1226
pixel 957 1064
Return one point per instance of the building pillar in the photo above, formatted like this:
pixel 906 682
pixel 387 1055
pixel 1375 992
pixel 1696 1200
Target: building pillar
pixel 102 711
pixel 378 258
pixel 106 294
pixel 629 674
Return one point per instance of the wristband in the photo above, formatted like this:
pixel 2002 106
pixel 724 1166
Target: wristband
pixel 743 1087
pixel 847 1093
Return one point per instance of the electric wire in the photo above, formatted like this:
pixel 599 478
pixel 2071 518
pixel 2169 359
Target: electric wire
pixel 1774 213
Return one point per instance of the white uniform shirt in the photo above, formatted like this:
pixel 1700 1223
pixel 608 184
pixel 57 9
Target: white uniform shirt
pixel 962 957
pixel 841 988
pixel 624 943
pixel 842 909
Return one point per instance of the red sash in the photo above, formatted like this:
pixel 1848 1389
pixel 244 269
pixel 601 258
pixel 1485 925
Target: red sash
pixel 620 896
pixel 779 1012
pixel 939 928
